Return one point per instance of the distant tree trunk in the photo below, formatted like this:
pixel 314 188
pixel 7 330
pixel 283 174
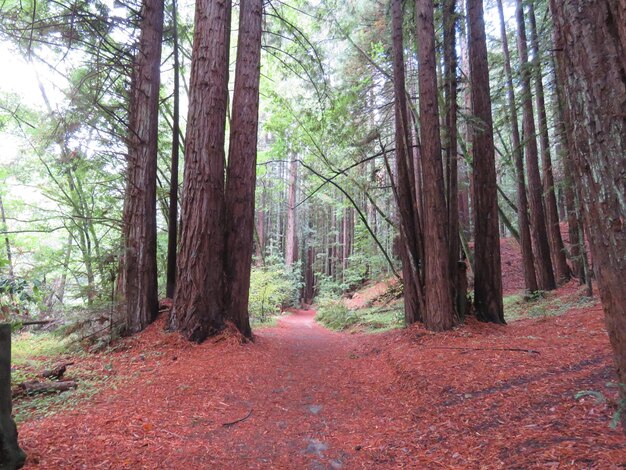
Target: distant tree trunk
pixel 413 294
pixel 450 88
pixel 66 266
pixel 593 32
pixel 557 249
pixel 172 226
pixel 7 242
pixel 439 313
pixel 141 289
pixel 291 247
pixel 309 276
pixel 464 176
pixel 241 178
pixel 564 147
pixel 198 300
pixel 487 269
pixel 543 261
pixel 528 259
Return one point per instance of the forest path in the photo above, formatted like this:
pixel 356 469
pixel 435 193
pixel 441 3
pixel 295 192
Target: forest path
pixel 292 396
pixel 303 397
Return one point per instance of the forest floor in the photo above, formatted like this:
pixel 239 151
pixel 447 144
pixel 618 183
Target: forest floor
pixel 303 397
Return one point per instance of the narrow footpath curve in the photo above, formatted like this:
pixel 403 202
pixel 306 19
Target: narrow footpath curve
pixel 298 391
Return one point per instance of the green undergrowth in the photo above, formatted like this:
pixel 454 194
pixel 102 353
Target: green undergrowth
pixel 543 304
pixel 335 315
pixel 32 353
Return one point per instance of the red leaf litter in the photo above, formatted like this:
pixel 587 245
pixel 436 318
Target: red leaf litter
pixel 303 397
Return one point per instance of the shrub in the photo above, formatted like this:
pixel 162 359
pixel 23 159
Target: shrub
pixel 272 288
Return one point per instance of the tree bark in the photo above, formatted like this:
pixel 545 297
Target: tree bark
pixel 7 242
pixel 487 268
pixel 450 89
pixel 407 203
pixel 141 291
pixel 439 314
pixel 291 248
pixel 543 261
pixel 11 455
pixel 199 296
pixel 241 178
pixel 172 226
pixel 557 249
pixel 528 259
pixel 591 51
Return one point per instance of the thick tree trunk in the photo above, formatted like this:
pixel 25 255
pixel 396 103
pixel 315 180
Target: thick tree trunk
pixel 172 226
pixel 407 203
pixel 487 269
pixel 543 261
pixel 241 179
pixel 528 259
pixel 11 456
pixel 199 297
pixel 291 247
pixel 439 313
pixel 591 52
pixel 141 292
pixel 557 249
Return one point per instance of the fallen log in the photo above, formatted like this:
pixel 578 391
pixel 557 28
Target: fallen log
pixel 35 387
pixel 56 372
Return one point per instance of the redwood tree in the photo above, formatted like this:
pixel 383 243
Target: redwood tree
pixel 439 313
pixel 405 182
pixel 593 32
pixel 557 249
pixel 172 226
pixel 487 269
pixel 140 227
pixel 241 178
pixel 198 300
pixel 528 260
pixel 543 261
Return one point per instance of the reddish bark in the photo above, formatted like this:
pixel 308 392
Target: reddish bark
pixel 487 269
pixel 172 226
pixel 595 96
pixel 241 181
pixel 439 313
pixel 140 263
pixel 543 261
pixel 199 301
pixel 404 188
pixel 557 249
pixel 528 258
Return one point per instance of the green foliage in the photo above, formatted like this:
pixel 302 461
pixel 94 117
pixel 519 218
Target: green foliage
pixel 272 288
pixel 19 296
pixel 335 315
pixel 544 304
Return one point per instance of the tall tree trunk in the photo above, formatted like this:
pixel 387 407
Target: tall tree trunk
pixel 172 226
pixel 439 313
pixel 590 32
pixel 487 269
pixel 528 259
pixel 198 300
pixel 450 89
pixel 557 249
pixel 413 294
pixel 564 147
pixel 241 179
pixel 543 261
pixel 142 301
pixel 291 248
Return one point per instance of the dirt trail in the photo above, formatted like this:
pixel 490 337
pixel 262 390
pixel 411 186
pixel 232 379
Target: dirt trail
pixel 303 397
pixel 299 386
